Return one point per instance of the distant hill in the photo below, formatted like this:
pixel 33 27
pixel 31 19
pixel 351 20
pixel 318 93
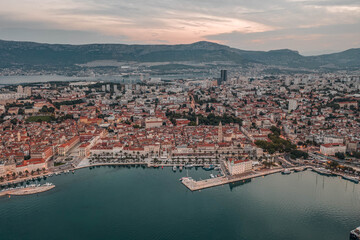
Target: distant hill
pixel 13 53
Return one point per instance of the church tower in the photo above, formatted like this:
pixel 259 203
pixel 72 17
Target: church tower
pixel 220 133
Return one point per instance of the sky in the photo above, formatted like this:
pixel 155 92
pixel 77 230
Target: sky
pixel 309 26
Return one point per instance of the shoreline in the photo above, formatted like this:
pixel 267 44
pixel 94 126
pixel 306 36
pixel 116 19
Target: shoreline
pixel 189 183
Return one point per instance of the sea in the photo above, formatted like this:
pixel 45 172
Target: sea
pixel 133 203
pixel 131 79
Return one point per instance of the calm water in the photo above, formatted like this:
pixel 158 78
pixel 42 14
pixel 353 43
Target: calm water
pixel 136 203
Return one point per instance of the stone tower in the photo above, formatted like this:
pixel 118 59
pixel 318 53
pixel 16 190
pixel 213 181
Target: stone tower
pixel 220 133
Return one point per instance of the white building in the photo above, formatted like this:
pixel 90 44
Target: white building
pixel 292 104
pixel 153 122
pixel 236 166
pixel 332 148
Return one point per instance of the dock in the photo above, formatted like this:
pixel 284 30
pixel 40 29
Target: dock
pixel 26 190
pixel 193 185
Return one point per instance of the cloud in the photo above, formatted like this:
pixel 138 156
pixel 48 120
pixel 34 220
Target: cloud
pixel 260 24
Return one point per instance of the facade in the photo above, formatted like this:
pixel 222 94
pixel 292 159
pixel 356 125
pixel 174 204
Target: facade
pixel 65 147
pixel 84 149
pixel 153 122
pixel 332 148
pixel 223 75
pixel 292 105
pixel 31 165
pixel 236 166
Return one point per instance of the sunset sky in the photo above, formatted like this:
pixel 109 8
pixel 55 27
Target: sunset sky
pixel 311 27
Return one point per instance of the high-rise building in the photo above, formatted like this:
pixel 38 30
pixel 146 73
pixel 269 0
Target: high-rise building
pixel 28 91
pixel 20 89
pixel 223 76
pixel 292 104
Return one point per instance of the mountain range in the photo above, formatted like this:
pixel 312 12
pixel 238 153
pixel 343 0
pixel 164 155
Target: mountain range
pixel 18 54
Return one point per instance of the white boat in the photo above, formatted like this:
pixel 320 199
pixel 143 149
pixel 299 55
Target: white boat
pixel 174 168
pixel 350 178
pixel 355 234
pixel 286 171
pixel 322 171
pixel 185 178
pixel 212 175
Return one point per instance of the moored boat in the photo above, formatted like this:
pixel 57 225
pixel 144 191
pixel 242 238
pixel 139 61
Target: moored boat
pixel 208 167
pixel 350 178
pixel 322 171
pixel 355 234
pixel 286 171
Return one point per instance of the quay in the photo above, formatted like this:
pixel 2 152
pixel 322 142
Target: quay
pixel 213 182
pixel 27 190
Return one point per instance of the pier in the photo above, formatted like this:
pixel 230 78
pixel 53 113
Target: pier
pixel 213 182
pixel 26 190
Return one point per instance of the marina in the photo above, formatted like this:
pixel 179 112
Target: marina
pixel 148 198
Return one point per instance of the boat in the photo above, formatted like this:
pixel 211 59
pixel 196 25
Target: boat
pixel 185 178
pixel 350 178
pixel 322 171
pixel 189 166
pixel 181 168
pixel 212 175
pixel 208 167
pixel 174 168
pixel 355 234
pixel 286 171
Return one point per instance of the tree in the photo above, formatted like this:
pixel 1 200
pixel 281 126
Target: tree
pixel 340 155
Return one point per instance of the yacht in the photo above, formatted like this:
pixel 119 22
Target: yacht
pixel 286 171
pixel 355 234
pixel 174 168
pixel 208 167
pixel 189 166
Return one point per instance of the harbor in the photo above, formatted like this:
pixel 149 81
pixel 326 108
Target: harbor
pixel 194 185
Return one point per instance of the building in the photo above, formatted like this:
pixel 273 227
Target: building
pixel 27 91
pixel 332 148
pixel 65 147
pixel 223 76
pixel 292 105
pixel 153 122
pixel 33 164
pixel 236 166
pixel 20 89
pixel 43 153
pixel 220 133
pixel 84 149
